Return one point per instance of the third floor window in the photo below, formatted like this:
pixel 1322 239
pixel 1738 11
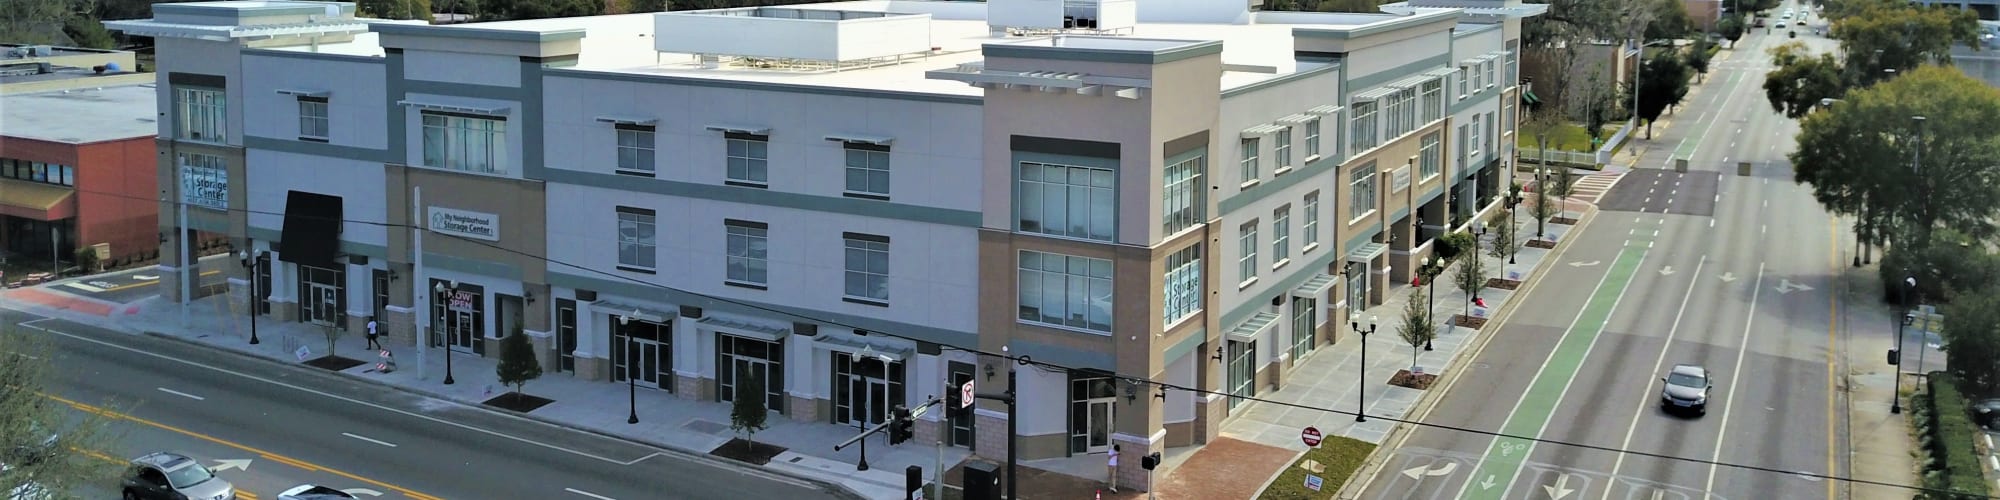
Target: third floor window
pixel 200 114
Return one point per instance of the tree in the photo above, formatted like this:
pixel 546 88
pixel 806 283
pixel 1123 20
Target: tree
pixel 29 419
pixel 1801 80
pixel 1471 276
pixel 1663 84
pixel 1670 20
pixel 1884 34
pixel 395 9
pixel 1418 326
pixel 747 409
pixel 1857 155
pixel 1596 106
pixel 509 10
pixel 1559 188
pixel 1540 124
pixel 1698 56
pixel 1501 226
pixel 1731 28
pixel 1972 336
pixel 517 361
pixel 1543 207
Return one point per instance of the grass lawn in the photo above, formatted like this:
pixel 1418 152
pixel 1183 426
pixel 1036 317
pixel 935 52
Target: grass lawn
pixel 1569 137
pixel 1341 456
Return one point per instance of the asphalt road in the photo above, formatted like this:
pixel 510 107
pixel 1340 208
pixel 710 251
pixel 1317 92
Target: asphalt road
pixel 287 425
pixel 1707 267
pixel 130 285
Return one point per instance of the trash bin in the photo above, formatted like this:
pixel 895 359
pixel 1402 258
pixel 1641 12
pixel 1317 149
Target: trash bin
pixel 982 481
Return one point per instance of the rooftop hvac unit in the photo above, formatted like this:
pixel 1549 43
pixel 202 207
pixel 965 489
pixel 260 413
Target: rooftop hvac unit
pixel 1063 14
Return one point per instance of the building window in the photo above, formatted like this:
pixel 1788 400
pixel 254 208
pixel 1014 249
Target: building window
pixel 1066 291
pixel 465 142
pixel 635 149
pixel 204 181
pixel 1464 132
pixel 748 253
pixel 1283 149
pixel 1312 138
pixel 1248 147
pixel 749 159
pixel 1478 78
pixel 867 268
pixel 1362 191
pixel 1184 200
pixel 1281 236
pixel 637 250
pixel 1473 142
pixel 1183 281
pixel 1409 111
pixel 1246 242
pixel 1491 77
pixel 1433 100
pixel 312 119
pixel 1068 201
pixel 1311 226
pixel 202 115
pixel 1364 126
pixel 1513 64
pixel 49 173
pixel 867 171
pixel 1428 158
pixel 1507 115
pixel 1463 78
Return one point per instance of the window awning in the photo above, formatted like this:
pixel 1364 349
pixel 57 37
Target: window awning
pixel 305 93
pixel 639 313
pixel 1409 83
pixel 1256 325
pixel 1315 286
pixel 628 120
pixel 1367 252
pixel 1326 109
pixel 1440 72
pixel 746 330
pixel 35 200
pixel 740 129
pixel 1496 54
pixel 1297 118
pixel 862 139
pixel 864 348
pixel 456 108
pixel 1529 97
pixel 1376 93
pixel 1477 60
pixel 311 235
pixel 1262 130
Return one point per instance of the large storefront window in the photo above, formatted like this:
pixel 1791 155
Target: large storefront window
pixel 864 388
pixel 1304 317
pixel 1242 371
pixel 644 352
pixel 322 296
pixel 741 360
pixel 1092 413
pixel 566 335
pixel 1357 288
pixel 460 314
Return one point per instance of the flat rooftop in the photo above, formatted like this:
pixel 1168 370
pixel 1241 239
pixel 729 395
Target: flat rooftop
pixel 625 44
pixel 81 116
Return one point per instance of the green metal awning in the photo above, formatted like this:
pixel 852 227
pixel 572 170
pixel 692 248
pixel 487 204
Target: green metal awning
pixel 1529 97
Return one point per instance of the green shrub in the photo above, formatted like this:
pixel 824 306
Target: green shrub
pixel 1952 434
pixel 1455 243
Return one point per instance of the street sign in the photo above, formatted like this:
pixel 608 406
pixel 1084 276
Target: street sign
pixel 1314 482
pixel 965 395
pixel 1310 436
pixel 919 411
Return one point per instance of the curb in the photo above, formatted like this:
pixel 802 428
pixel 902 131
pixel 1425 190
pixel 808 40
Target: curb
pixel 1399 434
pixel 833 488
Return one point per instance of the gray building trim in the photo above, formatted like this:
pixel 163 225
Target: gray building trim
pixel 1413 68
pixel 765 197
pixel 346 247
pixel 533 152
pixel 1479 99
pixel 319 149
pixel 1173 353
pixel 1064 356
pixel 239 10
pixel 318 56
pixel 630 288
pixel 493 92
pixel 469 266
pixel 1398 214
pixel 1190 142
pixel 1463 30
pixel 468 33
pixel 1363 236
pixel 398 126
pixel 1278 184
pixel 177 78
pixel 1426 198
pixel 1388 24
pixel 764 86
pixel 1280 80
pixel 1190 49
pixel 207 220
pixel 1299 274
pixel 1064 147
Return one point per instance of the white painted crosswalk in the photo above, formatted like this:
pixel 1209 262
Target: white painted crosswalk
pixel 1593 186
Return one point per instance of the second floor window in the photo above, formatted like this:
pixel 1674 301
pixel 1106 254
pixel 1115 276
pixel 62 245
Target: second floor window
pixel 1182 195
pixel 749 159
pixel 1312 138
pixel 635 149
pixel 1281 236
pixel 1067 200
pixel 1249 161
pixel 867 171
pixel 867 264
pixel 637 250
pixel 312 119
pixel 36 171
pixel 1364 126
pixel 1183 284
pixel 1246 243
pixel 1433 100
pixel 1428 157
pixel 1311 226
pixel 748 250
pixel 201 114
pixel 1362 191
pixel 465 142
pixel 1065 290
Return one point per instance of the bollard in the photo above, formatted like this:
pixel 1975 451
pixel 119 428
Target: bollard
pixel 1681 165
pixel 1743 168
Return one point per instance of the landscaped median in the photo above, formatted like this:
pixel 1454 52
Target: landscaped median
pixel 1944 427
pixel 1334 462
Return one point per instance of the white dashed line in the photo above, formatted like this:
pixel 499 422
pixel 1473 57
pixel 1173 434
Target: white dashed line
pixel 1711 223
pixel 181 394
pixel 588 494
pixel 368 439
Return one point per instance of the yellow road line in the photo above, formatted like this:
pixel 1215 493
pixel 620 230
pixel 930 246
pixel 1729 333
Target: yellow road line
pixel 261 453
pixel 1832 348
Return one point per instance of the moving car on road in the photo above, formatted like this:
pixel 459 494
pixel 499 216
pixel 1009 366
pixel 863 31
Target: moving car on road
pixel 1687 389
pixel 173 476
pixel 314 492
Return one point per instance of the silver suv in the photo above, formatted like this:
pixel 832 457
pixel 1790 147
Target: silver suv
pixel 173 476
pixel 1686 389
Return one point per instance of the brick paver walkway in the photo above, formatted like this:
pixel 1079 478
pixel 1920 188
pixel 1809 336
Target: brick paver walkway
pixel 1226 468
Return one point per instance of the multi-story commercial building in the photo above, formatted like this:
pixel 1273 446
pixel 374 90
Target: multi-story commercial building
pixel 851 202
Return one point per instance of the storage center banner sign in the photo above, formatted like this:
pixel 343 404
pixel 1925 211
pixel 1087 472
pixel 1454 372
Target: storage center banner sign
pixel 477 225
pixel 204 181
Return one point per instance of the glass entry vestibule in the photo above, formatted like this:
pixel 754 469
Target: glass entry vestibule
pixel 1092 414
pixel 743 361
pixel 460 314
pixel 864 388
pixel 644 352
pixel 322 296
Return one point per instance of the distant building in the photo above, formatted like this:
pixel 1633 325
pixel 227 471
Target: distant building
pixel 77 161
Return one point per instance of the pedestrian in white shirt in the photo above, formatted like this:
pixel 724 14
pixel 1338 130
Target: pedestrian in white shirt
pixel 373 335
pixel 1111 468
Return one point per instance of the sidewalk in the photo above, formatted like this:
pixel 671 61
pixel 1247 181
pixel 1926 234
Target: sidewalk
pixel 665 420
pixel 1262 439
pixel 1880 444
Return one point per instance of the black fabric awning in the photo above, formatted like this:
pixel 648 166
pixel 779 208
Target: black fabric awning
pixel 312 229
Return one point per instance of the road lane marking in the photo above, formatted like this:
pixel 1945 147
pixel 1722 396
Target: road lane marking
pixel 1527 422
pixel 1658 365
pixel 181 394
pixel 658 451
pixel 369 439
pixel 1735 375
pixel 591 495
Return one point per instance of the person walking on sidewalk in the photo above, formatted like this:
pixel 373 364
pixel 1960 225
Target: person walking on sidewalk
pixel 373 335
pixel 1111 469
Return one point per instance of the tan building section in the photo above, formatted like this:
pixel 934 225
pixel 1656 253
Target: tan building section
pixel 515 207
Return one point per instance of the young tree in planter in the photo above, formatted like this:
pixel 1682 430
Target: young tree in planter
pixel 1471 277
pixel 1559 188
pixel 1418 326
pixel 1501 226
pixel 333 334
pixel 517 361
pixel 747 409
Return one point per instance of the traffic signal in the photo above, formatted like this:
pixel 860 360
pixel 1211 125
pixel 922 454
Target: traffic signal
pixel 901 425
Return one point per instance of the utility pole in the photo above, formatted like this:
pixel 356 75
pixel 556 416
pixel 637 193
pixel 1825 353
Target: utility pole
pixel 187 272
pixel 1013 421
pixel 418 283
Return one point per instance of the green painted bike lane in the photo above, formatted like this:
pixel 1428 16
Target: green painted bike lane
pixel 1503 459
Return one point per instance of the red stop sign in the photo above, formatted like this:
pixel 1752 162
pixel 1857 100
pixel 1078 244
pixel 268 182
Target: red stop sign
pixel 1310 436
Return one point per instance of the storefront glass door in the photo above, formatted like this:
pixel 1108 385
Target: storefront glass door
pixel 1242 371
pixel 321 296
pixel 1091 412
pixel 740 359
pixel 1303 321
pixel 644 352
pixel 864 389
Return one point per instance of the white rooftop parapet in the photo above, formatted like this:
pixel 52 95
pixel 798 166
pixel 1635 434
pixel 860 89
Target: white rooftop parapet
pixel 792 33
pixel 1085 15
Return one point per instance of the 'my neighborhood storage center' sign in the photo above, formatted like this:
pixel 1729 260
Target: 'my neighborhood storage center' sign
pixel 469 224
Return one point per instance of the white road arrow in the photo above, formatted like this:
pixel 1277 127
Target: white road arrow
pixel 362 492
pixel 1488 483
pixel 1584 264
pixel 1560 489
pixel 1419 472
pixel 1728 277
pixel 238 464
pixel 1787 286
pixel 1667 271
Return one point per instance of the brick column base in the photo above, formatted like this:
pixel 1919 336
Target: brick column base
pixel 592 369
pixel 1132 477
pixel 1208 415
pixel 696 388
pixel 803 409
pixel 927 432
pixel 992 440
pixel 398 327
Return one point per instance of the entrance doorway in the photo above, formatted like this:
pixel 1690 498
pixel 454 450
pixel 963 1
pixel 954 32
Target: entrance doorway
pixel 1303 322
pixel 1092 414
pixel 742 360
pixel 566 335
pixel 645 354
pixel 961 422
pixel 322 296
pixel 865 388
pixel 1357 288
pixel 461 318
pixel 1242 381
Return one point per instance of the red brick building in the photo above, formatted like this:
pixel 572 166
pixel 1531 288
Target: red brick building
pixel 78 168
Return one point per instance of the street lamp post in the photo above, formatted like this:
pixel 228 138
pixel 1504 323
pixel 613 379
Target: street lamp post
pixel 1513 202
pixel 251 262
pixel 631 385
pixel 445 294
pixel 1432 267
pixel 1477 233
pixel 1895 399
pixel 1361 391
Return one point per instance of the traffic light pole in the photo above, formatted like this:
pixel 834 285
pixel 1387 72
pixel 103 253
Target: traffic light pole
pixel 1013 421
